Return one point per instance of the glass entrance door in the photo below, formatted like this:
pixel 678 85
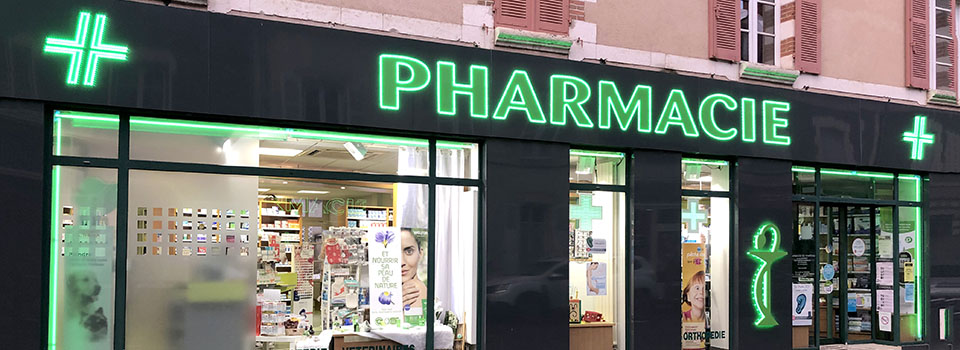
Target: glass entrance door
pixel 851 244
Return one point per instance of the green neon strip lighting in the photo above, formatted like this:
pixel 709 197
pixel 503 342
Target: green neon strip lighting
pixel 918 293
pixel 205 128
pixel 856 173
pixel 803 169
pixel 765 258
pixel 54 242
pixel 86 51
pixel 598 154
pixel 770 74
pixel 705 162
pixel 520 39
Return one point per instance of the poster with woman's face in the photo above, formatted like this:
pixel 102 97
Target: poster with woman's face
pixel 694 295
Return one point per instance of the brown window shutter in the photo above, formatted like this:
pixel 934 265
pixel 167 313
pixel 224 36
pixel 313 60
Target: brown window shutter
pixel 807 55
pixel 514 13
pixel 553 15
pixel 724 27
pixel 918 48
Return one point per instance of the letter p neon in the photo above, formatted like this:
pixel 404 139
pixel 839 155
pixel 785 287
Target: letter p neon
pixel 416 77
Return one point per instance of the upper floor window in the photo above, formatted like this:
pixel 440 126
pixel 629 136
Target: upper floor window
pixel 944 45
pixel 552 16
pixel 758 31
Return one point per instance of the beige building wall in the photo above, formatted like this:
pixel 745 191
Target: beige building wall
pixel 863 40
pixel 447 11
pixel 675 27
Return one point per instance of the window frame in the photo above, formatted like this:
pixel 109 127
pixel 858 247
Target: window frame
pixel 124 165
pixel 754 33
pixel 627 263
pixel 923 294
pixel 934 63
pixel 729 195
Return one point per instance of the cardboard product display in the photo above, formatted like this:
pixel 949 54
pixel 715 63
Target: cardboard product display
pixel 575 315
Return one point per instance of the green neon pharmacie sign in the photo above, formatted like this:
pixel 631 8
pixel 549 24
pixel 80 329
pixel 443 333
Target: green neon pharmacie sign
pixel 567 95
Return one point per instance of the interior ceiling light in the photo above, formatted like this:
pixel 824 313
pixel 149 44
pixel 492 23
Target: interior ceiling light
pixel 313 192
pixel 280 152
pixel 356 149
pixel 263 189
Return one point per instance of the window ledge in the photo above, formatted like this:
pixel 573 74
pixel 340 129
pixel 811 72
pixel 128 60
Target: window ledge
pixel 942 97
pixel 521 39
pixel 768 73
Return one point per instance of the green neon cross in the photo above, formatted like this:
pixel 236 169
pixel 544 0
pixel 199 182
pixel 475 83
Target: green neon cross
pixel 83 49
pixel 693 215
pixel 586 212
pixel 918 137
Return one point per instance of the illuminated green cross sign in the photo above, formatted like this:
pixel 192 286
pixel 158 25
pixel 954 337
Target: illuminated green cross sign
pixel 918 137
pixel 693 215
pixel 86 51
pixel 765 257
pixel 586 212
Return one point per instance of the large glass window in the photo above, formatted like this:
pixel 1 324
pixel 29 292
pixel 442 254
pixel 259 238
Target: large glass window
pixel 597 250
pixel 853 281
pixel 83 227
pixel 369 251
pixel 705 217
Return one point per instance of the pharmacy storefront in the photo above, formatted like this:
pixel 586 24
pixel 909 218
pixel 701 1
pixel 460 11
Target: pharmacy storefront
pixel 180 179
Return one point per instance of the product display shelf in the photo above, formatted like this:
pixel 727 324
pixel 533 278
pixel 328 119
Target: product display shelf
pixel 362 216
pixel 280 262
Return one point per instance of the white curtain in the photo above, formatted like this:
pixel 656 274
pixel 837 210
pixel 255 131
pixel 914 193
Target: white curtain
pixel 456 226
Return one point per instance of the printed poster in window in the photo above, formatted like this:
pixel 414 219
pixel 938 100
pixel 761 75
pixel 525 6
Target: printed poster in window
pixel 596 278
pixel 693 295
pixel 386 298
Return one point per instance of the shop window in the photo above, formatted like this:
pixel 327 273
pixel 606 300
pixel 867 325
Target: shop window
pixel 82 257
pixel 597 167
pixel 705 220
pixel 458 160
pixel 706 175
pixel 85 134
pixel 311 258
pixel 853 279
pixel 856 184
pixel 597 251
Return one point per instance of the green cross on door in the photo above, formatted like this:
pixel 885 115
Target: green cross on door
pixel 693 216
pixel 585 212
pixel 86 51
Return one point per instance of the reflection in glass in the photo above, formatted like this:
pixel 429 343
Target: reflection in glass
pixel 765 49
pixel 85 134
pixel 597 167
pixel 82 257
pixel 705 270
pixel 856 184
pixel 596 251
pixel 705 174
pixel 910 261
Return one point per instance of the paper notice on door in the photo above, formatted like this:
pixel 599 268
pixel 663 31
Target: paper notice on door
pixel 886 320
pixel 885 273
pixel 885 300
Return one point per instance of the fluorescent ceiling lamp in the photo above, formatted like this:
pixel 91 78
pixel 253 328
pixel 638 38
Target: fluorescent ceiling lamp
pixel 313 192
pixel 263 189
pixel 356 149
pixel 280 152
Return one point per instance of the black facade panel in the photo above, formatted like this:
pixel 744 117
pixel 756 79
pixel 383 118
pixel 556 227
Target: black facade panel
pixel 22 322
pixel 763 195
pixel 943 223
pixel 526 245
pixel 657 261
